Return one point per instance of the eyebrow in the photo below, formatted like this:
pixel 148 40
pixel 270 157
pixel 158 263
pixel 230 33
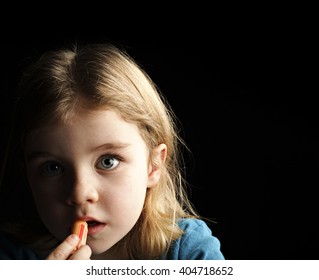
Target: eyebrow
pixel 37 154
pixel 106 146
pixel 111 146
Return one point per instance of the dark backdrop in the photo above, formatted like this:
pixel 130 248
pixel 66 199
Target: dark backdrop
pixel 249 114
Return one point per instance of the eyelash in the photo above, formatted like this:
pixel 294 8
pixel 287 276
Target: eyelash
pixel 111 157
pixel 58 169
pixel 47 165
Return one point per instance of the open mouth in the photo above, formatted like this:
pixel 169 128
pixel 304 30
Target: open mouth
pixel 95 227
pixel 92 223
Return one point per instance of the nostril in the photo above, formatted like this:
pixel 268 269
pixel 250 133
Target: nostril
pixel 82 192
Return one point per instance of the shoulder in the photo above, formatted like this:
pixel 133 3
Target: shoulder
pixel 10 249
pixel 197 242
pixel 189 225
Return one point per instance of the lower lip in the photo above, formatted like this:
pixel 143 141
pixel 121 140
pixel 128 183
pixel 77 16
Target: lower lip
pixel 94 229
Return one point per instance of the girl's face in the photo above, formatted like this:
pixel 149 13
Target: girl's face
pixel 95 169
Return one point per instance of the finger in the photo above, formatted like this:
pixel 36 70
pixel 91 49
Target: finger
pixel 65 249
pixel 83 253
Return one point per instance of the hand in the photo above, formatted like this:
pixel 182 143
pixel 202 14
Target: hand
pixel 65 251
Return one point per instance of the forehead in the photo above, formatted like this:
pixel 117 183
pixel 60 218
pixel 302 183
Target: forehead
pixel 87 128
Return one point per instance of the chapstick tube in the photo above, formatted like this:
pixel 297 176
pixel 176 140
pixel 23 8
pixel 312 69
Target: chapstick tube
pixel 80 228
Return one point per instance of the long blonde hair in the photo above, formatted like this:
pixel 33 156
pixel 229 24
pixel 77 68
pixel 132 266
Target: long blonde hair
pixel 103 75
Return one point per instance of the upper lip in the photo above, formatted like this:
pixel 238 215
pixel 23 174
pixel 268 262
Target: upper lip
pixel 85 218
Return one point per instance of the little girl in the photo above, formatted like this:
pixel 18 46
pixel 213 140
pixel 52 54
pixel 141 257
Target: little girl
pixel 97 142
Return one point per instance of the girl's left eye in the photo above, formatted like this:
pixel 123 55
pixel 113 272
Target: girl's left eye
pixel 51 169
pixel 107 162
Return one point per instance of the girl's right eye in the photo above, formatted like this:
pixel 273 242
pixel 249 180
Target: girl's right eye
pixel 51 169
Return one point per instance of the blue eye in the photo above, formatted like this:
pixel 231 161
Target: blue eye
pixel 107 162
pixel 52 168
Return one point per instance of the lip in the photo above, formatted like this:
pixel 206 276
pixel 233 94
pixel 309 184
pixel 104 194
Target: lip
pixel 94 226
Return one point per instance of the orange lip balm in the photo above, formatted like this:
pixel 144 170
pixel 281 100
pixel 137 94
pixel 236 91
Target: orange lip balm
pixel 80 228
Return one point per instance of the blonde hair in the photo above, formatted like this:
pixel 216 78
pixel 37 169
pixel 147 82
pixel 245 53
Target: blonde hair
pixel 96 76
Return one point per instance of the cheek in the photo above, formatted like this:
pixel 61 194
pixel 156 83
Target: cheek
pixel 127 192
pixel 37 190
pixel 41 191
pixel 51 211
pixel 45 201
pixel 45 196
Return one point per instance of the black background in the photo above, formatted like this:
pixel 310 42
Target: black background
pixel 247 103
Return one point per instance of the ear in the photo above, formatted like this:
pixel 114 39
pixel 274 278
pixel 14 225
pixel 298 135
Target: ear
pixel 157 162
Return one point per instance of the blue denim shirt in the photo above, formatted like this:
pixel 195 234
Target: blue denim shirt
pixel 197 243
pixel 12 250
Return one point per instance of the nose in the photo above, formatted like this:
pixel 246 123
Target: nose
pixel 83 188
